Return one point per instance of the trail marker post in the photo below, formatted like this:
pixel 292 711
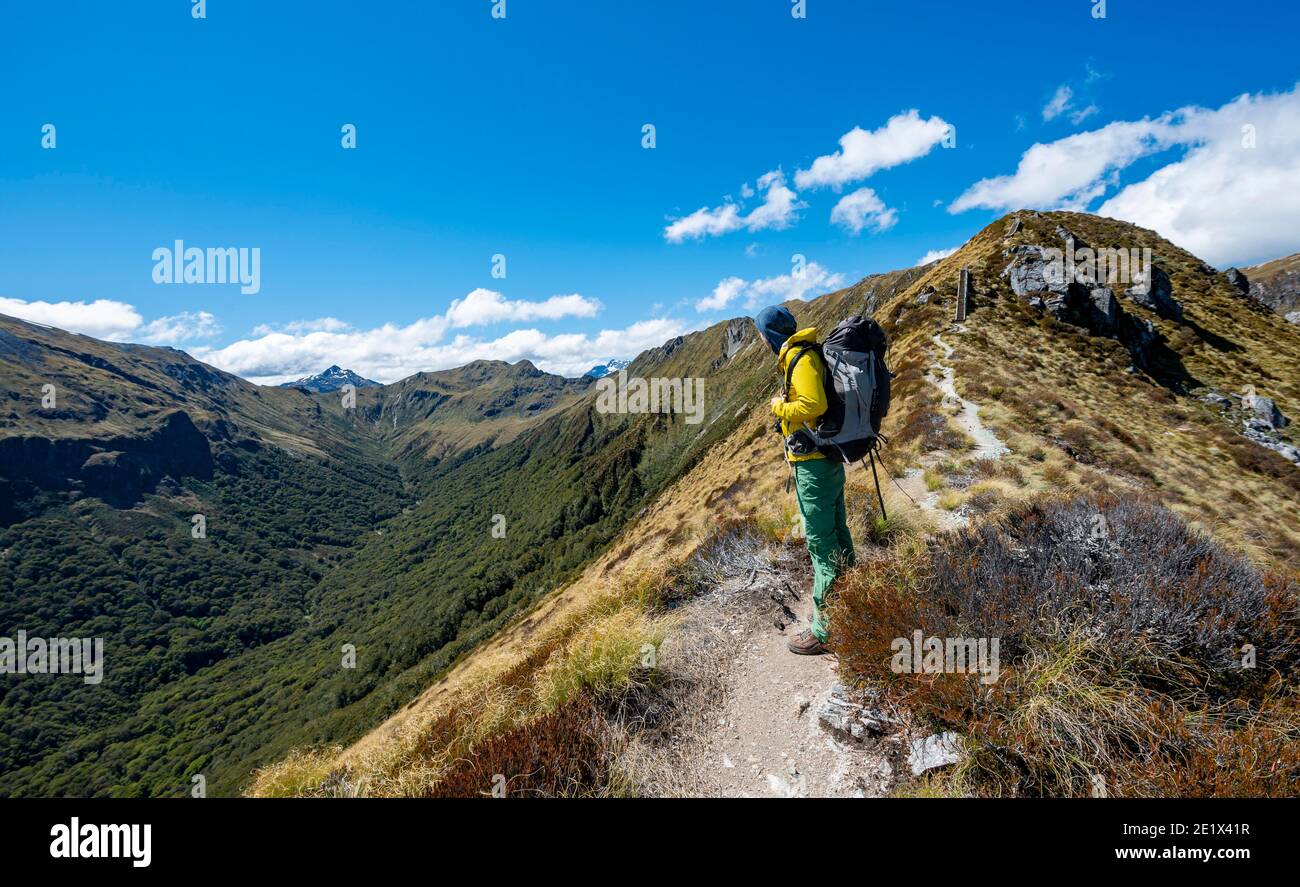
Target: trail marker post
pixel 963 287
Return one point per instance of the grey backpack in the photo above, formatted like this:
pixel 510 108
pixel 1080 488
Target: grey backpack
pixel 857 387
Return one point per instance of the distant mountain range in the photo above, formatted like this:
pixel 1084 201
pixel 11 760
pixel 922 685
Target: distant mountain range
pixel 332 379
pixel 613 365
pixel 227 540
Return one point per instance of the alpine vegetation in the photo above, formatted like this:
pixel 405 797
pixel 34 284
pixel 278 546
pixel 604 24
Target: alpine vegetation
pixel 619 394
pixel 214 265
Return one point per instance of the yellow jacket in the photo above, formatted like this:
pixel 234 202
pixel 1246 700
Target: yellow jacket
pixel 807 398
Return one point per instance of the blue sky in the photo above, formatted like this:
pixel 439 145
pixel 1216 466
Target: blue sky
pixel 522 136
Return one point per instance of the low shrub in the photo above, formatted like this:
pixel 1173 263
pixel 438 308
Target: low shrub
pixel 564 753
pixel 1123 642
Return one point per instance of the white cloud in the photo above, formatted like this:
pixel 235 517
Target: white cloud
pixel 326 324
pixel 1059 104
pixel 1225 202
pixel 903 138
pixel 813 279
pixel 780 205
pixel 1222 200
pixel 1077 117
pixel 1070 172
pixel 391 352
pixel 114 321
pixel 102 318
pixel 483 306
pixel 705 222
pixel 184 327
pixel 863 209
pixel 727 289
pixel 285 352
pixel 779 209
pixel 1062 101
pixel 935 255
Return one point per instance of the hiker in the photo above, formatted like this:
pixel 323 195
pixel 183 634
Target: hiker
pixel 818 481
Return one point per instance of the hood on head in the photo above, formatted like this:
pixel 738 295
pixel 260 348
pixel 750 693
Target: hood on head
pixel 805 336
pixel 776 324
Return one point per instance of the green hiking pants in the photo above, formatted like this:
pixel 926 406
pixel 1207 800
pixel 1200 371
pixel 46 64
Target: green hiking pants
pixel 819 486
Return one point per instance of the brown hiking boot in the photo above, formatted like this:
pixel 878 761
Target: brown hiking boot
pixel 805 643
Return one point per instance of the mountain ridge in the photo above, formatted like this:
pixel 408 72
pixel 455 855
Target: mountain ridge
pixel 381 535
pixel 1079 417
pixel 331 379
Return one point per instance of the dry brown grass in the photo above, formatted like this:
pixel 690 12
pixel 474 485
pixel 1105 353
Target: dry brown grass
pixel 1120 657
pixel 1047 390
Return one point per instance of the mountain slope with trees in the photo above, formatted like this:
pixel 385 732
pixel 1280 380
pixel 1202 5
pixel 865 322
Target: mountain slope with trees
pixel 1101 397
pixel 463 531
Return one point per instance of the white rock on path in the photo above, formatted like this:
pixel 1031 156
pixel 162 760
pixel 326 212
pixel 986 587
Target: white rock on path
pixel 935 751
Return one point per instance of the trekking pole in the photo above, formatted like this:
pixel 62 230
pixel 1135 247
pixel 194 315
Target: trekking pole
pixel 876 478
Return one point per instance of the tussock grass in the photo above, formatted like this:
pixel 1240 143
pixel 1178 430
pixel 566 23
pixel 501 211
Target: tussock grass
pixel 1121 652
pixel 609 655
pixel 606 649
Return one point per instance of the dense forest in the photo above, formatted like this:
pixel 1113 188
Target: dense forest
pixel 329 588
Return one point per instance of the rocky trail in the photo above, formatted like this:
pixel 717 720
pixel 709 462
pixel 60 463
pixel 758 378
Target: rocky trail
pixel 966 414
pixel 783 725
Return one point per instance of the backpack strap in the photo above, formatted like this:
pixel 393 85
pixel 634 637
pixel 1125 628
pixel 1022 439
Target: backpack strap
pixel 789 367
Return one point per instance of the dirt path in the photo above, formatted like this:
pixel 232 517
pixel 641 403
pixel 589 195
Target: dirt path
pixel 966 414
pixel 987 445
pixel 765 737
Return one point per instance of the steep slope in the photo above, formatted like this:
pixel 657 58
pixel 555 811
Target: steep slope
pixel 1275 285
pixel 204 634
pixel 1137 390
pixel 330 518
pixel 1164 409
pixel 437 548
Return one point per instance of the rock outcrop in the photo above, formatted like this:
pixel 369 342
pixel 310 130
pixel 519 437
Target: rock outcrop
pixel 1153 290
pixel 738 333
pixel 1238 279
pixel 932 752
pixel 1263 412
pixel 851 720
pixel 118 470
pixel 1275 285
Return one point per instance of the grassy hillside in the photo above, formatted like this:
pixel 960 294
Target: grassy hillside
pixel 371 530
pixel 1120 413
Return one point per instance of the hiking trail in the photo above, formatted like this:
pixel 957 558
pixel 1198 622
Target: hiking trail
pixel 986 443
pixel 764 736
